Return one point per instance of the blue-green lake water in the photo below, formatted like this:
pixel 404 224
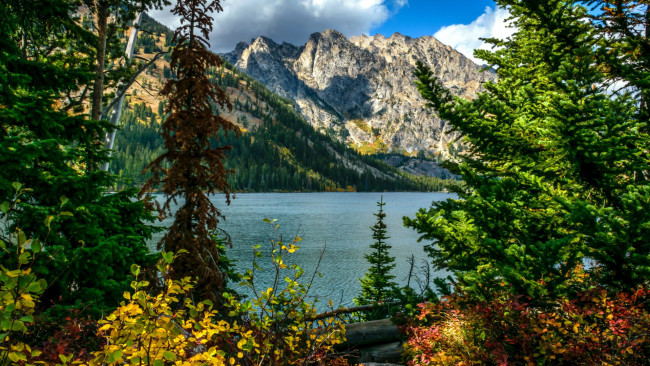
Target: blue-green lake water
pixel 338 223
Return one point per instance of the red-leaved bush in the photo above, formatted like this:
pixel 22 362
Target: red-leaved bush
pixel 595 327
pixel 75 337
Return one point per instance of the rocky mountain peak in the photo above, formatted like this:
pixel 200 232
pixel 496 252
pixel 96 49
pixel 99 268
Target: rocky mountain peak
pixel 363 88
pixel 333 34
pixel 398 35
pixel 239 49
pixel 263 44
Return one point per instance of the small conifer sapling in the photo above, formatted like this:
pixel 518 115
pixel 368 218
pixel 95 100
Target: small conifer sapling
pixel 377 285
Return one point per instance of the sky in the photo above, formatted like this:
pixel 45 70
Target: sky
pixel 458 23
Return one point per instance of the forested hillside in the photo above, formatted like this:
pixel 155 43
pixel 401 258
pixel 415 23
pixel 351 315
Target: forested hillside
pixel 278 149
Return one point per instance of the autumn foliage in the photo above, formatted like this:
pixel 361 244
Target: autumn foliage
pixel 166 327
pixel 595 327
pixel 192 168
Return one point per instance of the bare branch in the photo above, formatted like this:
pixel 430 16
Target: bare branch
pixel 145 89
pixel 74 103
pixel 122 90
pixel 333 313
pixel 141 58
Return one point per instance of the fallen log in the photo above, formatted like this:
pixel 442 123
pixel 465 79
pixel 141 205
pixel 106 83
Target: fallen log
pixel 370 333
pixel 337 312
pixel 391 352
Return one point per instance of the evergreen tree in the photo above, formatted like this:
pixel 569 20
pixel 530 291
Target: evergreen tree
pixel 623 53
pixel 49 146
pixel 377 285
pixel 551 178
pixel 191 168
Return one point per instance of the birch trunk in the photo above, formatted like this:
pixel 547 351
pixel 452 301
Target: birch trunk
pixel 102 30
pixel 116 112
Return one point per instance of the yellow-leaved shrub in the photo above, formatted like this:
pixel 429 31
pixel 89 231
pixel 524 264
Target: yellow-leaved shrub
pixel 170 329
pixel 167 328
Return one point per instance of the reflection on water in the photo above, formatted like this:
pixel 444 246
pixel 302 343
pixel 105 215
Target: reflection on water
pixel 338 223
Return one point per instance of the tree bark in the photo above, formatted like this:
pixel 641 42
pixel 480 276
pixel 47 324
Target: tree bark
pixel 369 333
pixel 101 19
pixel 109 139
pixel 645 94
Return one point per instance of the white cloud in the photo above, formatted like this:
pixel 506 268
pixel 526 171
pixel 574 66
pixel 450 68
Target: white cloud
pixel 290 20
pixel 465 37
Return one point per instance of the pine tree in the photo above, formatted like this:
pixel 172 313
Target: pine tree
pixel 48 145
pixel 196 166
pixel 377 285
pixel 623 28
pixel 107 47
pixel 550 177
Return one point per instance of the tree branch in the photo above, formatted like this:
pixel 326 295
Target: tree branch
pixel 74 103
pixel 329 314
pixel 145 89
pixel 122 90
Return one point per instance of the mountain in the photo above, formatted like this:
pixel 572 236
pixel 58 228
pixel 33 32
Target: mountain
pixel 362 89
pixel 277 151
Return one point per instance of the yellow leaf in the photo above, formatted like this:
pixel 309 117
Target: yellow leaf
pixel 15 357
pixel 105 327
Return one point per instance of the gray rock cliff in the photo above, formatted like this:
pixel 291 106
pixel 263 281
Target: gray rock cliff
pixel 362 89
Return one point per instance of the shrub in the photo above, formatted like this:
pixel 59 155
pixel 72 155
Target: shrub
pixel 280 317
pixel 170 327
pixel 596 327
pixel 19 286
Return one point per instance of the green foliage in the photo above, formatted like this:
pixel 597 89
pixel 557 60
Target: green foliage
pixel 377 286
pixel 19 290
pixel 53 150
pixel 20 287
pixel 557 171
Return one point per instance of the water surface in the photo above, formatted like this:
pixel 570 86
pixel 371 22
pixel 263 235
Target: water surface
pixel 338 223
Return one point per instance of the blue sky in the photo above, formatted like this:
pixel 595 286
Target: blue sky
pixel 458 23
pixel 425 17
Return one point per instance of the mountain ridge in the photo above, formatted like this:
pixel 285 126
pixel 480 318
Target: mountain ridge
pixel 362 89
pixel 277 150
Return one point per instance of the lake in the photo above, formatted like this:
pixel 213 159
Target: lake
pixel 338 223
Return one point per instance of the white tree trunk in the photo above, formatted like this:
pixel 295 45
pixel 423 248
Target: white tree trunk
pixel 116 112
